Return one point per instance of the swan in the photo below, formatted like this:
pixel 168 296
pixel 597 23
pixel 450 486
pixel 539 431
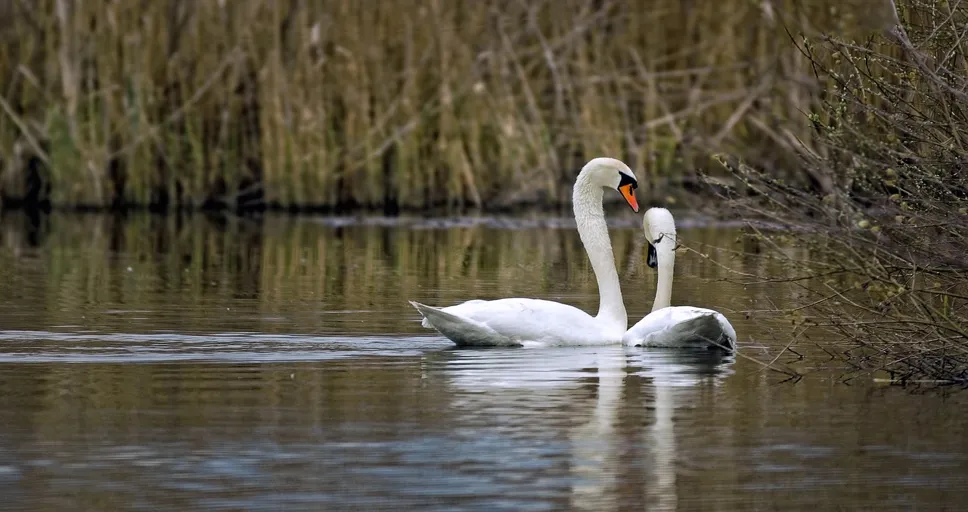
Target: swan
pixel 535 322
pixel 674 326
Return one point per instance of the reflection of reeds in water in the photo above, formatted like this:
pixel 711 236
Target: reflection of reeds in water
pixel 192 267
pixel 407 104
pixel 302 270
pixel 196 274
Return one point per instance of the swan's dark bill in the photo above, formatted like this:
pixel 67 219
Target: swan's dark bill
pixel 652 260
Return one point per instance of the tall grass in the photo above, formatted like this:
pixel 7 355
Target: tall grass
pixel 401 105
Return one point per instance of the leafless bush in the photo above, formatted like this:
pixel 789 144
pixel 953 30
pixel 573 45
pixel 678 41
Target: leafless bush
pixel 887 212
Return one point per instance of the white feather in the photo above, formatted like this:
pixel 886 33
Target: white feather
pixel 682 326
pixel 516 322
pixel 536 322
pixel 675 326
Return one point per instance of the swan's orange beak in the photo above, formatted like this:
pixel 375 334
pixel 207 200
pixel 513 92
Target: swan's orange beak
pixel 629 195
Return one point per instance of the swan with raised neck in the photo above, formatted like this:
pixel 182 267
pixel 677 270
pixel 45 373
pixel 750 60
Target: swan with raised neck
pixel 537 322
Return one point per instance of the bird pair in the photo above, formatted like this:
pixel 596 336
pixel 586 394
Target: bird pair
pixel 536 322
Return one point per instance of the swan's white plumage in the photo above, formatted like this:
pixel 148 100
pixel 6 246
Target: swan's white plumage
pixel 536 322
pixel 682 326
pixel 674 326
pixel 515 322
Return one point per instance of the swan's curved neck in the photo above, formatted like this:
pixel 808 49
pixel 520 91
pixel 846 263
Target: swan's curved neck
pixel 590 217
pixel 663 289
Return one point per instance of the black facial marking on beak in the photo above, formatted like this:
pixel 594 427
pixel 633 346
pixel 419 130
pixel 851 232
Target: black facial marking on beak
pixel 625 179
pixel 627 186
pixel 652 260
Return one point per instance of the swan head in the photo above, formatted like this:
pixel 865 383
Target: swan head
pixel 660 230
pixel 613 174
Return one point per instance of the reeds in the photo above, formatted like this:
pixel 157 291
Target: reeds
pixel 407 104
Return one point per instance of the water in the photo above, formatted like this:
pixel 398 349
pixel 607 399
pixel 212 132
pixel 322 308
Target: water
pixel 195 363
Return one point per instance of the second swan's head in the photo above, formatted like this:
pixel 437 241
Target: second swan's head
pixel 614 174
pixel 660 231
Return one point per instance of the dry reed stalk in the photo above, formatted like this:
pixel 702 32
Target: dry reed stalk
pixel 408 104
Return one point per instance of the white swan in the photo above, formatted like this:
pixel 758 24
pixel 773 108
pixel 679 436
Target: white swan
pixel 535 322
pixel 679 326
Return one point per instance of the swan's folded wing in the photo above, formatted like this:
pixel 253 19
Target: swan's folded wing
pixel 530 320
pixel 681 326
pixel 523 315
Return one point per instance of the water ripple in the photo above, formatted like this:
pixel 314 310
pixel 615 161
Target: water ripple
pixel 99 347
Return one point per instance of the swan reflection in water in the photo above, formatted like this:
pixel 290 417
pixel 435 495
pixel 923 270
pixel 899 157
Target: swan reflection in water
pixel 602 402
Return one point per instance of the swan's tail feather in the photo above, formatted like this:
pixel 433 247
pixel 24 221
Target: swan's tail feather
pixel 464 332
pixel 701 331
pixel 425 312
pixel 706 327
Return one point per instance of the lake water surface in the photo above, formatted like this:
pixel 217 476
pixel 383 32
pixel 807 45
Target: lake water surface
pixel 196 363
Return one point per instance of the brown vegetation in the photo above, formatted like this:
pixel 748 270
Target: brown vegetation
pixel 400 105
pixel 889 218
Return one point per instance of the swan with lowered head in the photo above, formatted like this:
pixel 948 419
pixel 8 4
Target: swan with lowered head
pixel 536 322
pixel 674 326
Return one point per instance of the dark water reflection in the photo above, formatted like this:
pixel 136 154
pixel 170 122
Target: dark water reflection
pixel 184 364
